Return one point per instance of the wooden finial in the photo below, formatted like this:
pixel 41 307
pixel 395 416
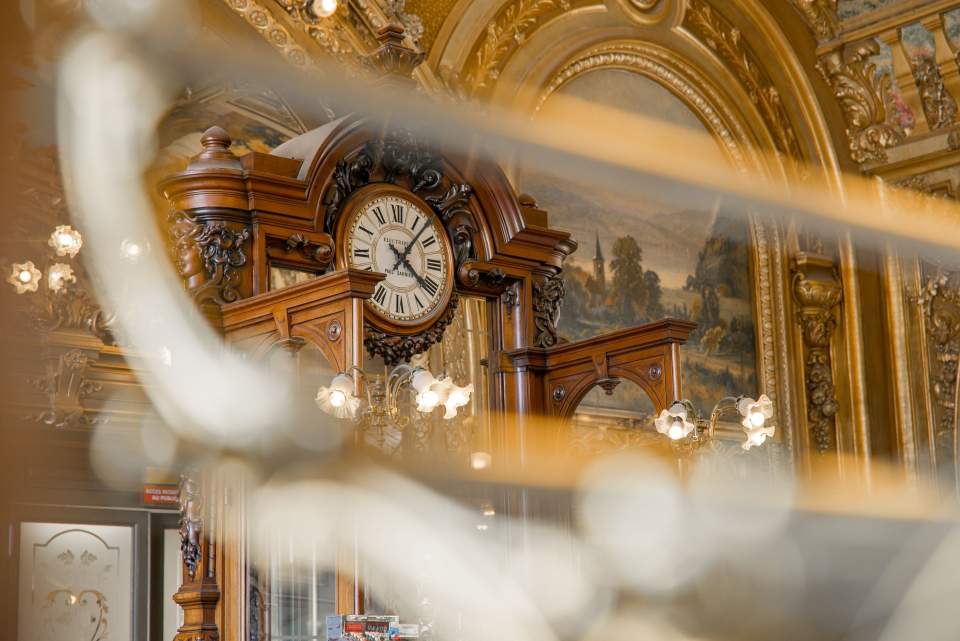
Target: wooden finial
pixel 216 152
pixel 393 59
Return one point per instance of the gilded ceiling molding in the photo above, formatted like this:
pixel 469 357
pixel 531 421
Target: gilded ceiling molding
pixel 329 33
pixel 728 43
pixel 862 93
pixel 667 70
pixel 939 107
pixel 820 16
pixel 504 34
pixel 261 19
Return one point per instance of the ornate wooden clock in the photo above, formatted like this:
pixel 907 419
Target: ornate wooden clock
pixel 385 228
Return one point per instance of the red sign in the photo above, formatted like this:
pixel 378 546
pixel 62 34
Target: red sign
pixel 164 495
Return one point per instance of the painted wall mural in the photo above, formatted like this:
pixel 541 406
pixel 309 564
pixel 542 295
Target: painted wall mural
pixel 642 261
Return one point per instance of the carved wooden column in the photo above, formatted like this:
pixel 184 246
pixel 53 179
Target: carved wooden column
pixel 199 594
pixel 817 289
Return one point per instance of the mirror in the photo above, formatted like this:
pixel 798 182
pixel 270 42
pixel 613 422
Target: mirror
pixel 606 422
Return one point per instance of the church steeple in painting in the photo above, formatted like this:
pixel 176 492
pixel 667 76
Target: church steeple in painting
pixel 599 271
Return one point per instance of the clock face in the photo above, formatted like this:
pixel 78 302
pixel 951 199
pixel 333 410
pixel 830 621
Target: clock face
pixel 393 235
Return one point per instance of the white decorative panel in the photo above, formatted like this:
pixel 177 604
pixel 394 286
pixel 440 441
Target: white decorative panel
pixel 172 614
pixel 76 582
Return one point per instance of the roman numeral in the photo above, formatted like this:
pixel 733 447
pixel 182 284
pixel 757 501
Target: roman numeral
pixel 419 304
pixel 379 214
pixel 415 219
pixel 362 228
pixel 398 212
pixel 360 252
pixel 397 304
pixel 433 264
pixel 430 240
pixel 380 294
pixel 430 285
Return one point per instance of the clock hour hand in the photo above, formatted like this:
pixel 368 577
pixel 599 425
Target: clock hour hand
pixel 397 255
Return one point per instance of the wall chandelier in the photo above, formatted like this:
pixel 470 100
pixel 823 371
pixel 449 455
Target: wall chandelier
pixel 381 407
pixel 681 422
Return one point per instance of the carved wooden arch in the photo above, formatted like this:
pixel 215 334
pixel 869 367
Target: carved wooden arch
pixel 647 375
pixel 647 355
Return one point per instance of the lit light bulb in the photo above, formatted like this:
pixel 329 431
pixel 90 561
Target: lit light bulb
pixel 59 275
pixel 324 8
pixel 482 527
pixel 337 398
pixel 132 251
pixel 757 418
pixel 427 400
pixel 676 431
pixel 489 511
pixel 66 241
pixel 25 277
pixel 480 460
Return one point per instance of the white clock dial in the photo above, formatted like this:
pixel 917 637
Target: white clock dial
pixel 395 236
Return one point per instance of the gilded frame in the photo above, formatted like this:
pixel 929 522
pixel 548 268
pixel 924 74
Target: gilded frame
pixel 767 244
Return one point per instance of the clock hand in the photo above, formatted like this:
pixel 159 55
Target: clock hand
pixel 416 276
pixel 406 251
pixel 397 255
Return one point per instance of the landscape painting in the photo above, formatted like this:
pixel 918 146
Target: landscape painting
pixel 641 260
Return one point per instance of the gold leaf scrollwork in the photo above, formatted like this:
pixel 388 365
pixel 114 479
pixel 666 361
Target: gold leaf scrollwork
pixel 939 107
pixel 862 93
pixel 940 301
pixel 817 289
pixel 820 16
pixel 505 33
pixel 276 34
pixel 728 43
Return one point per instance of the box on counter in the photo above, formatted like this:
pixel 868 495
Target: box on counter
pixel 334 627
pixel 378 626
pixel 404 631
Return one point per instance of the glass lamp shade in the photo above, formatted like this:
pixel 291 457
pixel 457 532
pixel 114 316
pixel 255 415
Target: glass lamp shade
pixel 66 241
pixel 25 277
pixel 755 413
pixel 421 380
pixel 59 275
pixel 338 399
pixel 756 436
pixel 673 423
pixel 457 398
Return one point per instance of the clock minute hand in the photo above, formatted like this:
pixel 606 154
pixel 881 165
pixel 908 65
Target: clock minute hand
pixel 406 251
pixel 416 276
